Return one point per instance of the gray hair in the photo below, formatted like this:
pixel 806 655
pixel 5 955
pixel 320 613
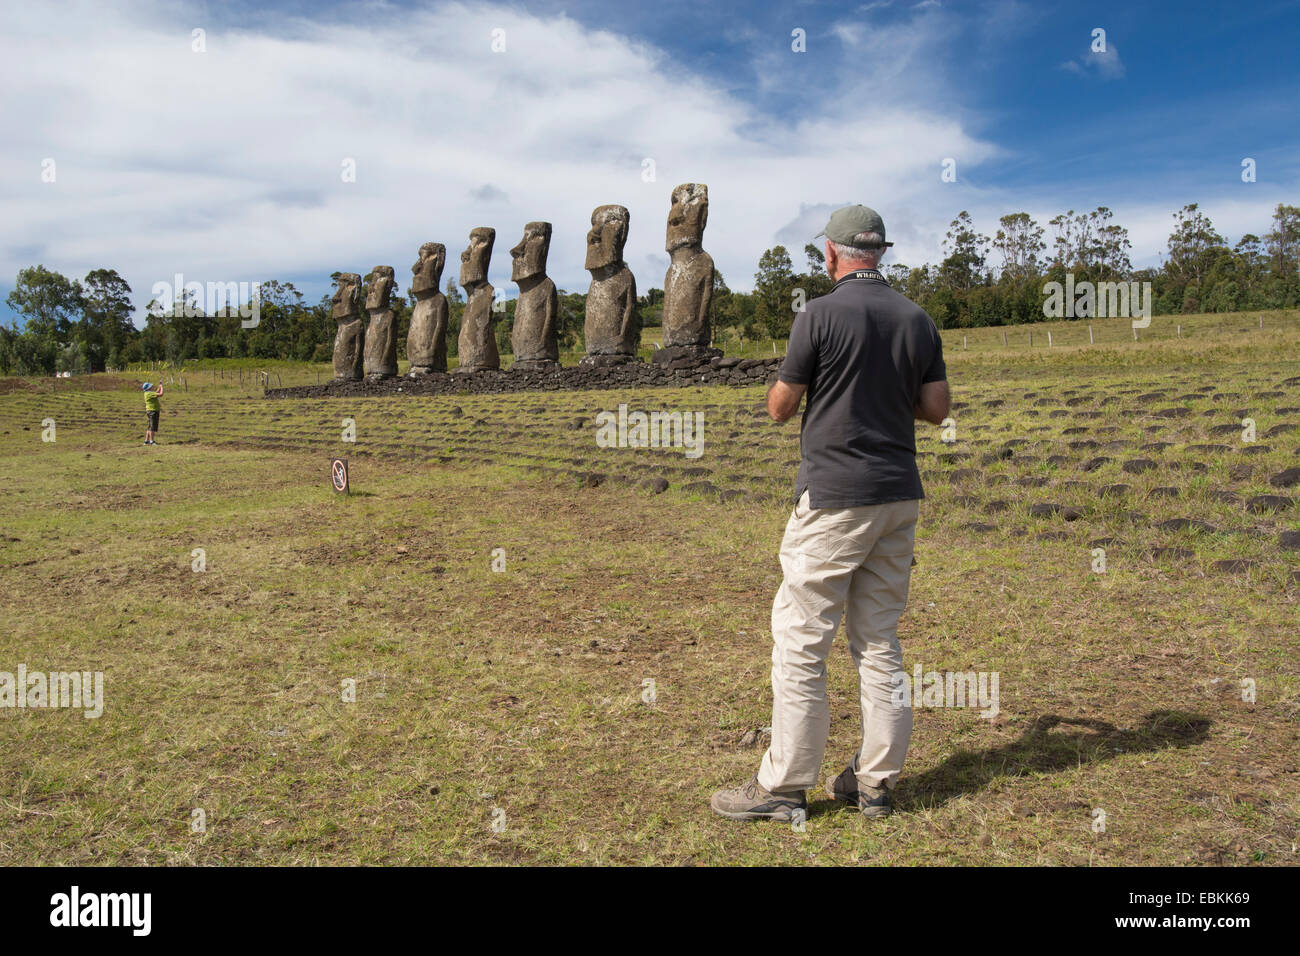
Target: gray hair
pixel 868 247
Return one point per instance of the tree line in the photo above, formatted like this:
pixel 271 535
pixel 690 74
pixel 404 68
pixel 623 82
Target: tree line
pixel 86 325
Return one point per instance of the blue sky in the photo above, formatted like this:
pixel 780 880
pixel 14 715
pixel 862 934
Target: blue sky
pixel 224 164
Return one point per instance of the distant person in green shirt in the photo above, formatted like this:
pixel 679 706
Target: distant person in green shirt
pixel 152 409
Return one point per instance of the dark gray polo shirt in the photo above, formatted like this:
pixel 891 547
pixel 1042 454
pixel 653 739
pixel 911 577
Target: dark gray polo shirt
pixel 864 351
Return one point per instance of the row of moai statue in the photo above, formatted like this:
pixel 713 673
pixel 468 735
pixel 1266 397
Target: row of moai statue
pixel 612 330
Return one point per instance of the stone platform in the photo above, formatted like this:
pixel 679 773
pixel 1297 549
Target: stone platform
pixel 716 371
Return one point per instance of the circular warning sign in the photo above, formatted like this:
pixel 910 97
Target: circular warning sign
pixel 339 474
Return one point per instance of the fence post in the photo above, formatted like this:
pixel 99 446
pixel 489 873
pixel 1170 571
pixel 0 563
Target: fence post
pixel 1031 338
pixel 1090 335
pixel 1049 339
pixel 1004 338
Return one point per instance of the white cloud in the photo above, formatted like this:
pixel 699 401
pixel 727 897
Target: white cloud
pixel 225 165
pixel 1104 64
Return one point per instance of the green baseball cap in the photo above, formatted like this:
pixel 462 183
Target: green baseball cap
pixel 848 222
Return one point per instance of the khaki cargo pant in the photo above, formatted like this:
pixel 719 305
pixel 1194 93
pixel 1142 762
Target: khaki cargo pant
pixel 855 563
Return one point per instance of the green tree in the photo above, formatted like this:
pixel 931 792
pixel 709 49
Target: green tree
pixel 1065 242
pixel 571 319
pixel 1282 246
pixel 897 274
pixel 505 326
pixel 1194 245
pixel 774 285
pixel 1109 253
pixel 455 312
pixel 816 259
pixel 651 308
pixel 106 319
pixel 51 304
pixel 733 312
pixel 964 264
pixel 1283 240
pixel 1019 240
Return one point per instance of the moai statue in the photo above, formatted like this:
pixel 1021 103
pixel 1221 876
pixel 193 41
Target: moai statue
pixel 477 345
pixel 426 342
pixel 533 337
pixel 381 334
pixel 688 286
pixel 349 342
pixel 613 328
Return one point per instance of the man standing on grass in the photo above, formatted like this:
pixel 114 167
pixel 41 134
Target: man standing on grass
pixel 870 362
pixel 152 409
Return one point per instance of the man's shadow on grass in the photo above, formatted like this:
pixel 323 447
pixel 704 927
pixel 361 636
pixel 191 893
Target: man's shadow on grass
pixel 1039 750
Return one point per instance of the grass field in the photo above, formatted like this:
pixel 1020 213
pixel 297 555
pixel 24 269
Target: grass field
pixel 505 716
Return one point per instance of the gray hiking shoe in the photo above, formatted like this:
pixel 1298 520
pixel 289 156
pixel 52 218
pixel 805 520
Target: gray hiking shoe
pixel 752 802
pixel 871 801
